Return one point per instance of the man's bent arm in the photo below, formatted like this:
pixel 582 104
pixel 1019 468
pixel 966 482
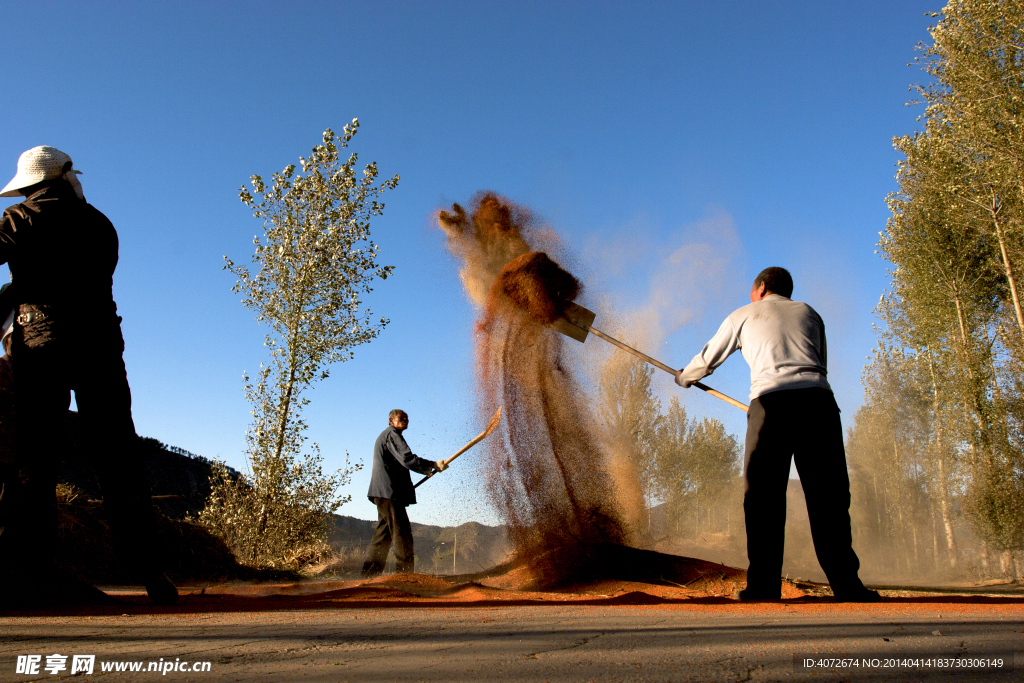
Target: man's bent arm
pixel 725 342
pixel 403 454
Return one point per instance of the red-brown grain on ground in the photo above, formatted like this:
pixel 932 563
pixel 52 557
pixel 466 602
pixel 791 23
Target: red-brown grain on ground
pixel 710 592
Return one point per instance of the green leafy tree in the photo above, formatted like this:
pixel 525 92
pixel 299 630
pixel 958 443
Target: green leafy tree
pixel 674 476
pixel 712 460
pixel 954 324
pixel 976 62
pixel 945 291
pixel 697 461
pixel 311 268
pixel 632 413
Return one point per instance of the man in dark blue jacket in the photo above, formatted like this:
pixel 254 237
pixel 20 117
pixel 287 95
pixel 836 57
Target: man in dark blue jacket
pixel 62 253
pixel 391 490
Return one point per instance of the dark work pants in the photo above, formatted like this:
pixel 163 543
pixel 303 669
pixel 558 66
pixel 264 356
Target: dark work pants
pixel 392 527
pixel 48 365
pixel 800 424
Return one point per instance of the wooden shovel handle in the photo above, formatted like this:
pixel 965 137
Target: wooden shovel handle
pixel 658 364
pixel 718 394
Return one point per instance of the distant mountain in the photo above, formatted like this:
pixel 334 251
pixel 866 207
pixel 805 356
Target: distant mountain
pixel 171 472
pixel 467 548
pixel 180 482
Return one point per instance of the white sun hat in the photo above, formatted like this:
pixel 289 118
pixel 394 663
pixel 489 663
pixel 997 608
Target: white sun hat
pixel 36 165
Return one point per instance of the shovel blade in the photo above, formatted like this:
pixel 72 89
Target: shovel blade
pixel 575 322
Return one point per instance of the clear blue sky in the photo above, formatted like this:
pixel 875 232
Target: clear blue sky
pixel 677 148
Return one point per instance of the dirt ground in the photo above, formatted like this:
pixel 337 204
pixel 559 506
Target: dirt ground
pixel 414 627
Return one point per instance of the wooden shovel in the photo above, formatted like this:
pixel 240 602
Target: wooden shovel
pixel 578 321
pixel 491 426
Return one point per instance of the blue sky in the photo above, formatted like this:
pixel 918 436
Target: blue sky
pixel 676 147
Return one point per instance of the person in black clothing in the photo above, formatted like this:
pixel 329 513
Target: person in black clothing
pixel 391 490
pixel 9 478
pixel 62 253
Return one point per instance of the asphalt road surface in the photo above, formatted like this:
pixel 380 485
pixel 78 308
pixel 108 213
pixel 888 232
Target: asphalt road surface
pixel 702 642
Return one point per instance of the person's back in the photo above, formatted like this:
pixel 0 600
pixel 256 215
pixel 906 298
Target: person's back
pixel 783 342
pixel 389 478
pixel 61 250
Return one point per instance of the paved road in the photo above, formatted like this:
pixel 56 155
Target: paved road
pixel 526 643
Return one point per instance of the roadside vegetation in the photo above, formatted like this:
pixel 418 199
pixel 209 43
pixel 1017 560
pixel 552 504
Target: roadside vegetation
pixel 691 467
pixel 938 447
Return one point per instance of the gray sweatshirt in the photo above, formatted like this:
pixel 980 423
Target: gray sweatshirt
pixel 783 342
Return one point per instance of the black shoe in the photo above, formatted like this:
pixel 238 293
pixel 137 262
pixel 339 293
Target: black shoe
pixel 862 595
pixel 371 570
pixel 161 590
pixel 81 593
pixel 747 595
pixel 53 594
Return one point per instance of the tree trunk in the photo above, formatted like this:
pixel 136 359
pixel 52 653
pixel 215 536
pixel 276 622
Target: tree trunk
pixel 940 462
pixel 947 522
pixel 917 555
pixel 903 539
pixel 1007 564
pixel 978 418
pixel 648 497
pixel 285 407
pixel 877 506
pixel 1008 269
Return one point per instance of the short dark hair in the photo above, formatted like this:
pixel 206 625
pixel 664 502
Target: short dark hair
pixel 397 412
pixel 776 280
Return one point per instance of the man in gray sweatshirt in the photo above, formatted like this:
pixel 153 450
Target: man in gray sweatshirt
pixel 793 416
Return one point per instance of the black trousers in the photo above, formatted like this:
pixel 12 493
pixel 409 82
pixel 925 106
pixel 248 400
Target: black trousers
pixel 50 361
pixel 392 527
pixel 800 424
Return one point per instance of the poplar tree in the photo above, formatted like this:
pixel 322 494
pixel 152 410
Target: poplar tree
pixel 899 491
pixel 674 476
pixel 954 325
pixel 712 461
pixel 311 268
pixel 977 95
pixel 686 463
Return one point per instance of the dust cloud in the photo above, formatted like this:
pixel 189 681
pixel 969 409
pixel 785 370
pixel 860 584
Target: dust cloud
pixel 547 476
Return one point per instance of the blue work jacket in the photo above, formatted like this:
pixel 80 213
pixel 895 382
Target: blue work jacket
pixel 392 460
